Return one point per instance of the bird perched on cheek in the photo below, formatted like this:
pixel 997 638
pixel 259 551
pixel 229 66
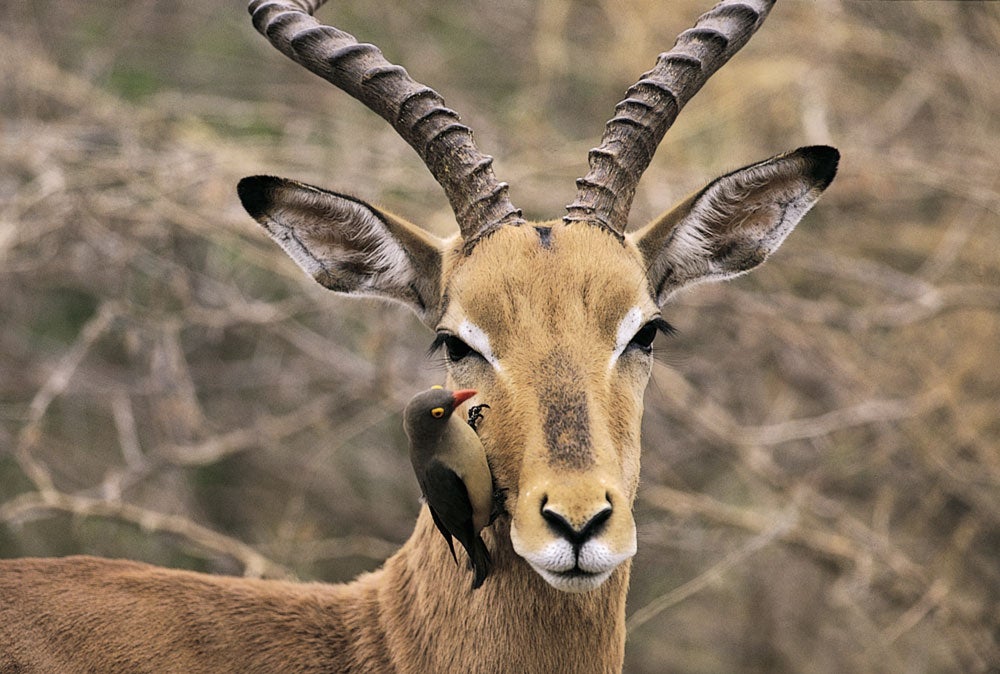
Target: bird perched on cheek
pixel 452 471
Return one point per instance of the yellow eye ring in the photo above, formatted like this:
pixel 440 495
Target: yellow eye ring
pixel 437 387
pixel 437 412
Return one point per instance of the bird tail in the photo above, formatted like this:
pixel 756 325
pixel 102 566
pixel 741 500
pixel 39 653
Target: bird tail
pixel 479 560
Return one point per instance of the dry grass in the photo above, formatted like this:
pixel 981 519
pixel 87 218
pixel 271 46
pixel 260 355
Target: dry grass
pixel 821 479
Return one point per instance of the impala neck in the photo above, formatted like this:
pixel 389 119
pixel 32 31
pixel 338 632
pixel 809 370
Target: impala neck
pixel 431 615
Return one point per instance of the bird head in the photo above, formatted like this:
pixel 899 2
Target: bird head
pixel 429 411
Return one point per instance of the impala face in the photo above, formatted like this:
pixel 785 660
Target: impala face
pixel 555 339
pixel 552 323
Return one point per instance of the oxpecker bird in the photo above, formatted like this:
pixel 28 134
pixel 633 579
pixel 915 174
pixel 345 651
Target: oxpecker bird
pixel 452 471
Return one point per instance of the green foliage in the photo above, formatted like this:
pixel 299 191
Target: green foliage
pixel 133 84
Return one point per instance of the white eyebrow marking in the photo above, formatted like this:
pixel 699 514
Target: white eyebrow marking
pixel 473 335
pixel 626 331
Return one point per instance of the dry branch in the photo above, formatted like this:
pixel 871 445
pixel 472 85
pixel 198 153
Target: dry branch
pixel 32 505
pixel 852 382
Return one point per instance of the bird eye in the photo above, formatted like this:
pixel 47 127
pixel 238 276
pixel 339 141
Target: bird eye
pixel 437 412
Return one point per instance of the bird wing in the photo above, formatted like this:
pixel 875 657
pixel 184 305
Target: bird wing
pixel 448 500
pixel 446 493
pixel 444 532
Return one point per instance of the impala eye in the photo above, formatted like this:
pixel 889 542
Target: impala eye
pixel 455 349
pixel 643 339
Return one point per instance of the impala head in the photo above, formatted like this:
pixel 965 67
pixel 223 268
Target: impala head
pixel 551 322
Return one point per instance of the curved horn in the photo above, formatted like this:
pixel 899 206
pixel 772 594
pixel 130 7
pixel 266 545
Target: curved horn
pixel 417 112
pixel 604 195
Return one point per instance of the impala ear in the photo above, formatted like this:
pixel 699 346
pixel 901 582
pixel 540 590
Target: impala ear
pixel 347 245
pixel 736 222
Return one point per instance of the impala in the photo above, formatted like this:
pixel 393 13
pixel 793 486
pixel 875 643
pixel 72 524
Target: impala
pixel 551 322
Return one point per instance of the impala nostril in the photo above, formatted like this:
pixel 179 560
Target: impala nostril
pixel 597 522
pixel 559 524
pixel 563 527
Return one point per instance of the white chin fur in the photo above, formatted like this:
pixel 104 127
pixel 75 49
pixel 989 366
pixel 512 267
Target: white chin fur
pixel 568 572
pixel 575 583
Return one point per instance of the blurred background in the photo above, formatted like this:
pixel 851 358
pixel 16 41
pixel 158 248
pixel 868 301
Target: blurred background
pixel 821 474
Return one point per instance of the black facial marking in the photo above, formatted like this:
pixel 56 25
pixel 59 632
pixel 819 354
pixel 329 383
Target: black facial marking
pixel 544 236
pixel 565 417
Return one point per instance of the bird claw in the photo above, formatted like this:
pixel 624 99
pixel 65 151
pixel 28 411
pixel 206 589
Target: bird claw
pixel 476 415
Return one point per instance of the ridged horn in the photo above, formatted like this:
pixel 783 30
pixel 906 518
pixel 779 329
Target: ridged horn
pixel 604 196
pixel 417 112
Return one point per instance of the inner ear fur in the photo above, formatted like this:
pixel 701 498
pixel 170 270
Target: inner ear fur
pixel 735 222
pixel 348 245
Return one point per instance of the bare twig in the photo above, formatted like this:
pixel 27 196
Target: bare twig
pixel 712 420
pixel 780 525
pixel 33 504
pixel 684 504
pixel 54 386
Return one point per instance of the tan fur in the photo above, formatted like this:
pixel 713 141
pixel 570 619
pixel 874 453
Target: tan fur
pixel 550 313
pixel 416 614
pixel 546 310
pixel 554 310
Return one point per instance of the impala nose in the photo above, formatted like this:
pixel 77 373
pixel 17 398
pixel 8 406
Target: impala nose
pixel 573 532
pixel 576 530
